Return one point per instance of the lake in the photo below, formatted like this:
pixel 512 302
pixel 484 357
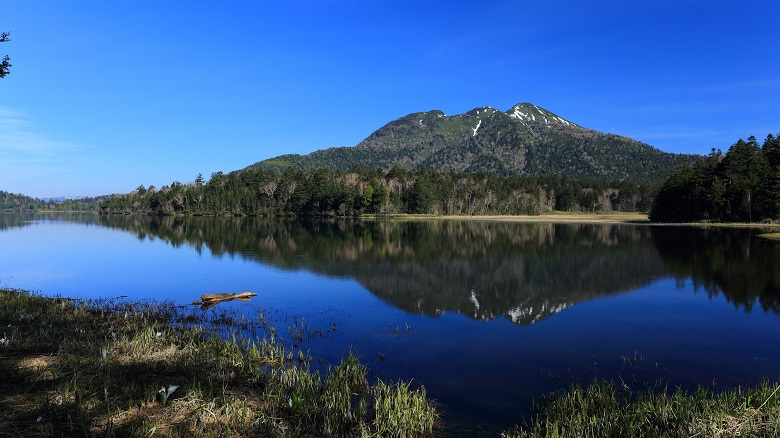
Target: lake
pixel 486 315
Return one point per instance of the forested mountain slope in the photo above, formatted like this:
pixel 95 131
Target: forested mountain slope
pixel 526 140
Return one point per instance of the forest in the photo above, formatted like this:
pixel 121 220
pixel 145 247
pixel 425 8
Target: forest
pixel 742 185
pixel 18 203
pixel 323 193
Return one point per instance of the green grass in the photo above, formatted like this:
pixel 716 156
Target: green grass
pixel 604 409
pixel 103 368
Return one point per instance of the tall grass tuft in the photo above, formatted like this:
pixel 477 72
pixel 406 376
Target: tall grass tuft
pixel 402 412
pixel 340 404
pixel 344 397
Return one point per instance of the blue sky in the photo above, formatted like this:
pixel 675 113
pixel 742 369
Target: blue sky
pixel 104 96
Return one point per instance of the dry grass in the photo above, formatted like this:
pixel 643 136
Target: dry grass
pixel 150 369
pixel 587 218
pixel 553 217
pixel 560 217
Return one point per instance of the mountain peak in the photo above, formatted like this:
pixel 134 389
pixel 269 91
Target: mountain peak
pixel 526 112
pixel 527 139
pixel 483 110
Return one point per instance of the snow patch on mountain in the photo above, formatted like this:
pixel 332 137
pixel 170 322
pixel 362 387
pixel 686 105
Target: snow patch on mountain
pixel 529 112
pixel 475 129
pixel 519 115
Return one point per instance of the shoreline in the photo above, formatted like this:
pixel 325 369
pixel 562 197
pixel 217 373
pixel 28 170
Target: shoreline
pixel 111 368
pixel 617 218
pixel 556 217
pixel 586 218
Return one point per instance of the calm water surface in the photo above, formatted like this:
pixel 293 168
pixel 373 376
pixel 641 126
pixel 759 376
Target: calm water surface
pixel 486 316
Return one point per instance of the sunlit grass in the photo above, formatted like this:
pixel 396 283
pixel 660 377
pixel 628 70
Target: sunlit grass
pixel 155 369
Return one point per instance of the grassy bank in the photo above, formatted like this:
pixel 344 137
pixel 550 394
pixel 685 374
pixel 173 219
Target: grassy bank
pixel 605 409
pixel 565 217
pixel 552 217
pixel 108 368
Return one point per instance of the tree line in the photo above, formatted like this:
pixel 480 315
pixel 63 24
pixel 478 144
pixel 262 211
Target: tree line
pixel 742 185
pixel 322 192
pixel 18 203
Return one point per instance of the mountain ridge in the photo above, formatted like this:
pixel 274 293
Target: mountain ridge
pixel 524 140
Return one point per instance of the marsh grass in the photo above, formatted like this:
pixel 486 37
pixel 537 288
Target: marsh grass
pixel 604 409
pixel 401 411
pixel 113 368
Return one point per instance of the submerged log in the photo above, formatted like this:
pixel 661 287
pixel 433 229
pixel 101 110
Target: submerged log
pixel 229 295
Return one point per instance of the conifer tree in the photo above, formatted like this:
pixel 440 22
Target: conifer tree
pixel 5 65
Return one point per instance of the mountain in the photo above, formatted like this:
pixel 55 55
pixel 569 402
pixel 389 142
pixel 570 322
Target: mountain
pixel 525 140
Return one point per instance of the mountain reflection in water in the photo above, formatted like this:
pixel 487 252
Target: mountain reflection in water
pixel 524 272
pixel 482 270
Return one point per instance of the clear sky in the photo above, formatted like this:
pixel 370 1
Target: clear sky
pixel 104 96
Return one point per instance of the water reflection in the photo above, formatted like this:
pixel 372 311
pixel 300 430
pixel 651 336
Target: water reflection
pixel 485 270
pixel 735 262
pixel 16 220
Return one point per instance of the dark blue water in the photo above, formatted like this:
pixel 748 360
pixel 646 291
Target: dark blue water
pixel 486 316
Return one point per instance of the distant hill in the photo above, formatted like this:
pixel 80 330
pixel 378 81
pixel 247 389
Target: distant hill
pixel 526 140
pixel 19 203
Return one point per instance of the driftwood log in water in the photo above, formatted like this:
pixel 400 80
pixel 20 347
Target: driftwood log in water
pixel 229 295
pixel 211 300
